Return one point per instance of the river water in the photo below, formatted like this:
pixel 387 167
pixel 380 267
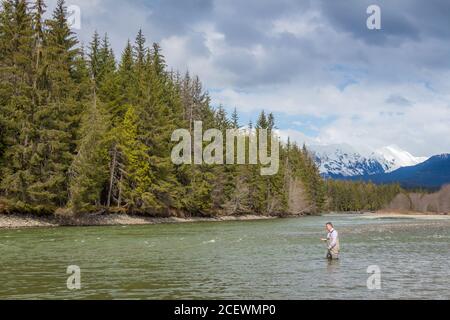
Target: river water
pixel 274 259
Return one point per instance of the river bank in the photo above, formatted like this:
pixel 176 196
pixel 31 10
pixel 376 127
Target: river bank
pixel 406 215
pixel 16 221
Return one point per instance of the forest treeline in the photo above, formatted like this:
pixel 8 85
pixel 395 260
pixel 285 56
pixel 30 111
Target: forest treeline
pixel 359 196
pixel 83 130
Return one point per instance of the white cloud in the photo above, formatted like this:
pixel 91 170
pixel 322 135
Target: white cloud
pixel 299 59
pixel 300 24
pixel 363 117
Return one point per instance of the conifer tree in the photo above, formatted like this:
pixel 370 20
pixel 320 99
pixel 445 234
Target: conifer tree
pixel 18 109
pixel 136 178
pixel 89 169
pixel 107 61
pixel 60 116
pixel 235 119
pixel 160 113
pixel 94 59
pixel 140 52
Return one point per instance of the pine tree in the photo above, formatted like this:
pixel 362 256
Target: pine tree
pixel 315 187
pixel 39 50
pixel 139 52
pixel 89 170
pixel 235 119
pixel 118 92
pixel 94 59
pixel 18 107
pixel 262 123
pixel 111 90
pixel 136 179
pixel 159 113
pixel 107 61
pixel 270 122
pixel 127 80
pixel 221 119
pixel 59 117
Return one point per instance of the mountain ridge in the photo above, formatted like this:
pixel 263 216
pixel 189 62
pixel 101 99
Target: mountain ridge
pixel 343 160
pixel 431 174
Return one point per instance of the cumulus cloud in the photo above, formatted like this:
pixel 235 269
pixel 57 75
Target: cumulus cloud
pixel 305 59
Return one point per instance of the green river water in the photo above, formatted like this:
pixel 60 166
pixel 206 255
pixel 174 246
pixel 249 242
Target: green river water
pixel 274 259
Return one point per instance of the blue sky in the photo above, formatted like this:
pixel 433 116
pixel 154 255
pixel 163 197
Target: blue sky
pixel 327 78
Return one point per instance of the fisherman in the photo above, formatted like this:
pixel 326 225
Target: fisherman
pixel 332 242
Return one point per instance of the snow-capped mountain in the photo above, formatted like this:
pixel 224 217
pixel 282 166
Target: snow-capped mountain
pixel 336 161
pixel 431 174
pixel 397 158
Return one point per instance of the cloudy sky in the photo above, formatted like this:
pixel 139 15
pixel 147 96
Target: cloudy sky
pixel 315 64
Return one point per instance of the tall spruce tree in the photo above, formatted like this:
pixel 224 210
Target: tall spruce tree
pixel 59 117
pixel 17 107
pixel 89 169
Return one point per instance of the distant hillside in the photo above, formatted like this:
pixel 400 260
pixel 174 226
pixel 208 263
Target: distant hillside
pixel 438 202
pixel 341 161
pixel 432 174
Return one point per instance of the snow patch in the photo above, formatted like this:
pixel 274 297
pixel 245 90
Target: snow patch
pixel 344 160
pixel 398 158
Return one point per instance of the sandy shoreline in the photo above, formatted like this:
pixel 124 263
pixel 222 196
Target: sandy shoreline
pixel 27 221
pixel 405 215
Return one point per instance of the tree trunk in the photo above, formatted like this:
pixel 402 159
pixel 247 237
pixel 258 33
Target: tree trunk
pixel 111 179
pixel 119 200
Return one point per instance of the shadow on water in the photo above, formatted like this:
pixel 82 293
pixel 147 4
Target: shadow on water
pixel 333 265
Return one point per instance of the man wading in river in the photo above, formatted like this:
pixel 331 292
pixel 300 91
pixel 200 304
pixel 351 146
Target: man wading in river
pixel 332 242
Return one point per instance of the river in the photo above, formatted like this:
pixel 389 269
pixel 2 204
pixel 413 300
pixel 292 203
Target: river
pixel 267 259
